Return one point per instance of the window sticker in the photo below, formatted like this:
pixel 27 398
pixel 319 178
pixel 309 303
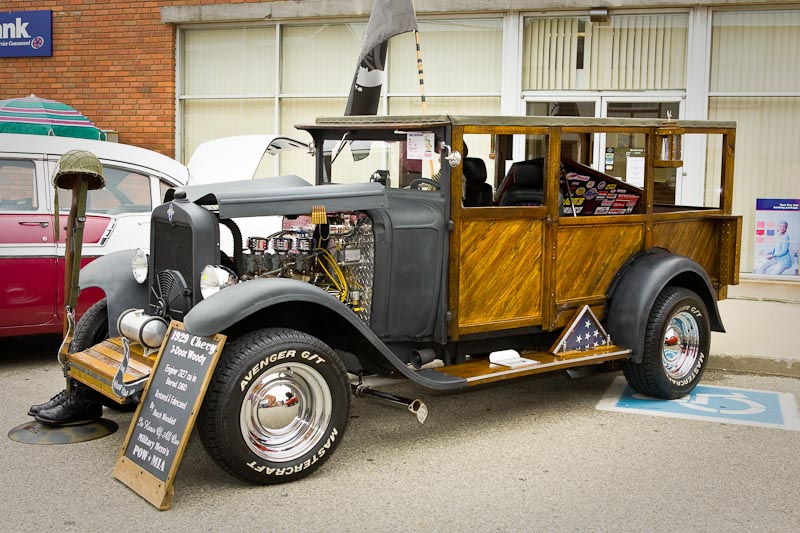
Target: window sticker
pixel 420 145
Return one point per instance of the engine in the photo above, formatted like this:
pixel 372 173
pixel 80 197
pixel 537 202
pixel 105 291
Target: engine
pixel 337 256
pixel 334 252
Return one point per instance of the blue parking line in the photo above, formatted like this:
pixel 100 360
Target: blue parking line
pixel 726 405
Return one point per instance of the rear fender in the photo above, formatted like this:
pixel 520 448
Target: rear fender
pixel 638 284
pixel 113 275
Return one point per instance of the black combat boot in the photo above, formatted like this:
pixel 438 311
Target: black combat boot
pixel 52 402
pixel 80 406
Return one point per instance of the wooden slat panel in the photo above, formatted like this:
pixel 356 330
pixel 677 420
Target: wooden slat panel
pixel 731 248
pixel 113 352
pixel 101 366
pixel 589 257
pixel 565 313
pixel 500 266
pixel 696 239
pixel 456 211
pixel 550 252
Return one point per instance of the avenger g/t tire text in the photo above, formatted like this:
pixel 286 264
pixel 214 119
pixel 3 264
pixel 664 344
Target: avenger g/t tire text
pixel 277 406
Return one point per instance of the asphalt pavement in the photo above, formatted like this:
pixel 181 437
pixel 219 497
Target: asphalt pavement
pixel 531 455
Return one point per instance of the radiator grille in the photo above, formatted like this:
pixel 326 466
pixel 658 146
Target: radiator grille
pixel 172 250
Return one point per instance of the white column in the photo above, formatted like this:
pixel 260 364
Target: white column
pixel 691 178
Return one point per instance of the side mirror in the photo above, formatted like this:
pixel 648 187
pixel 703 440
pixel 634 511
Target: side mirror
pixel 454 158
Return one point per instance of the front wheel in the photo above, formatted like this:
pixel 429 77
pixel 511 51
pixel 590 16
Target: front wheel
pixel 92 328
pixel 676 345
pixel 276 408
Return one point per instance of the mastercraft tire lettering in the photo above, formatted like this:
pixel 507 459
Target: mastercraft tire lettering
pixel 277 406
pixel 676 344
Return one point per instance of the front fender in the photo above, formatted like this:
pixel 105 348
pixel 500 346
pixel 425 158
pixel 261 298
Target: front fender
pixel 234 304
pixel 112 273
pixel 637 286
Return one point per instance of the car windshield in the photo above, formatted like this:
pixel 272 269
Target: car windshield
pixel 397 163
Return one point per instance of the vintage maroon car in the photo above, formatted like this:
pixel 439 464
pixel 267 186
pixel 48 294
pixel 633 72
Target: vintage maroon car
pixel 118 217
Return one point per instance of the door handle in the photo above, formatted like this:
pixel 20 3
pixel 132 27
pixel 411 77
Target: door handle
pixel 43 224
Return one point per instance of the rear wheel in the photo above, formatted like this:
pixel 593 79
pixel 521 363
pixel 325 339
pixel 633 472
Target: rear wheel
pixel 277 406
pixel 676 344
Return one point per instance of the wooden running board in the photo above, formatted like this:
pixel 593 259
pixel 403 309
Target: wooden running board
pixel 96 366
pixel 481 371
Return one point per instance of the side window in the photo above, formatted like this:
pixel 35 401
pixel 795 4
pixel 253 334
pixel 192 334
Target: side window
pixel 523 180
pixel 125 192
pixel 17 185
pixel 586 191
pixel 494 177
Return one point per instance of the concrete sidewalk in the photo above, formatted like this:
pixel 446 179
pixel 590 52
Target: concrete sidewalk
pixel 762 320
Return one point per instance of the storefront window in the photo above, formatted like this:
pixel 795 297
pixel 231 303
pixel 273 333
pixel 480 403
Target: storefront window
pixel 206 119
pixel 629 52
pixel 319 59
pixel 229 86
pixel 755 52
pixel 458 56
pixel 224 62
pixel 753 82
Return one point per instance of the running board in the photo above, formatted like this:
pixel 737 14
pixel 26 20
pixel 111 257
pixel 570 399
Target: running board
pixel 482 371
pixel 97 366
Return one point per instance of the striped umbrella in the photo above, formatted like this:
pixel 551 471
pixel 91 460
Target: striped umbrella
pixel 37 116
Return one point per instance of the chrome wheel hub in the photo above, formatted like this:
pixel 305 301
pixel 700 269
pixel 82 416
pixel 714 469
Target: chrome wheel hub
pixel 285 412
pixel 681 348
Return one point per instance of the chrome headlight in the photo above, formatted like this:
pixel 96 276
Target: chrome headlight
pixel 139 265
pixel 214 278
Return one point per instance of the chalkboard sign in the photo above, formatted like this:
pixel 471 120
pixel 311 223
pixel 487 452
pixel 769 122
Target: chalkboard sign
pixel 165 417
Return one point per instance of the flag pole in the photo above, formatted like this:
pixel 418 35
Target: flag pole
pixel 422 90
pixel 420 72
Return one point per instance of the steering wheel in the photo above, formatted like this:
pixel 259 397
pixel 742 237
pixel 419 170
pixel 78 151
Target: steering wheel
pixel 416 182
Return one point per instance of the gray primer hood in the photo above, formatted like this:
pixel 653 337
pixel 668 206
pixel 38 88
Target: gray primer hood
pixel 282 195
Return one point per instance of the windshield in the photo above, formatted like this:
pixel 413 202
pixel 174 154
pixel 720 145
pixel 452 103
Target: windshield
pixel 400 162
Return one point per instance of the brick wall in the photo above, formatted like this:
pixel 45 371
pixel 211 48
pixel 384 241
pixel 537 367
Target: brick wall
pixel 113 61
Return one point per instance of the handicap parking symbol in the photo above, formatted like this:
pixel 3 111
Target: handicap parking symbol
pixel 727 405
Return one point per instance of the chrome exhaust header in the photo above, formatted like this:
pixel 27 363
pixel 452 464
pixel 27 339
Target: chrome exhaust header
pixel 416 407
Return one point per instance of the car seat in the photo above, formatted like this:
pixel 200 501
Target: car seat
pixel 526 184
pixel 477 192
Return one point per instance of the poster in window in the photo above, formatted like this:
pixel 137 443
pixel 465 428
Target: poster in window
pixel 777 230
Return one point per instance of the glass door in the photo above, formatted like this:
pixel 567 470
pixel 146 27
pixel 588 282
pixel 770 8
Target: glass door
pixel 623 155
pixel 619 155
pixel 571 145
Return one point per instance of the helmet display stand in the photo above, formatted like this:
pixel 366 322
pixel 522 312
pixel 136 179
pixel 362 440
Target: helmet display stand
pixel 79 171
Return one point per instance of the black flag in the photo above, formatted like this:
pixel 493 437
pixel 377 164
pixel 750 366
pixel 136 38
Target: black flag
pixel 388 18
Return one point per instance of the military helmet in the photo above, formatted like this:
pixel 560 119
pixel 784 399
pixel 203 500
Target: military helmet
pixel 76 164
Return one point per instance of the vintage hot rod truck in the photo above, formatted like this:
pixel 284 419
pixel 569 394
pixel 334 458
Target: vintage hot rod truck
pixel 451 251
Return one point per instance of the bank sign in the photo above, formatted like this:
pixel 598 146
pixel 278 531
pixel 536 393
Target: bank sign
pixel 26 33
